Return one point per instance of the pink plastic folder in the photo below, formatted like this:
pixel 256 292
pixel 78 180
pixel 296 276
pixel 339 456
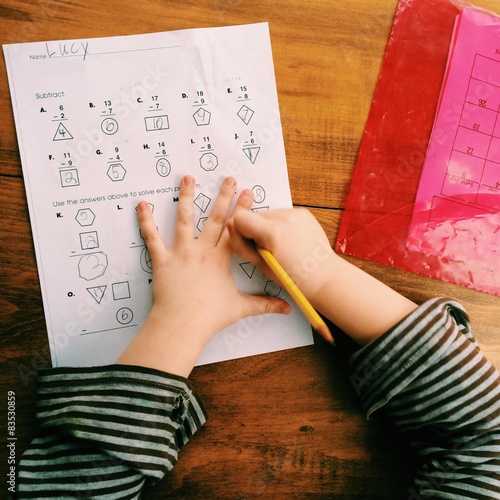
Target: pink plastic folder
pixel 425 194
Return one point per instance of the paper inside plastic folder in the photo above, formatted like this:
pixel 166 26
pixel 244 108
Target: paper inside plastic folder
pixel 382 221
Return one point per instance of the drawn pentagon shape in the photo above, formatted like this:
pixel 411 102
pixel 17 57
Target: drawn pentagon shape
pixel 202 117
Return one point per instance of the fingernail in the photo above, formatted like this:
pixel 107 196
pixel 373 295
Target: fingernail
pixel 142 206
pixel 188 180
pixel 230 181
pixel 284 307
pixel 247 193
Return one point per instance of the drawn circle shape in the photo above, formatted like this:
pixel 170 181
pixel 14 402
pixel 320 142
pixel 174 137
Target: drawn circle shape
pixel 259 194
pixel 163 167
pixel 109 126
pixel 124 316
pixel 146 262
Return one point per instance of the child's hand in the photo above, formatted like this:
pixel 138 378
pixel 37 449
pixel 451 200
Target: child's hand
pixel 293 236
pixel 360 305
pixel 194 294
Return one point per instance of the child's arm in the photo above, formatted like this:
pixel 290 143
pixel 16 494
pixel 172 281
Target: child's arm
pixel 357 303
pixel 429 377
pixel 419 366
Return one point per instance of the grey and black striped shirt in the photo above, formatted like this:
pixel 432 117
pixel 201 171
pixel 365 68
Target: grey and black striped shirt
pixel 105 431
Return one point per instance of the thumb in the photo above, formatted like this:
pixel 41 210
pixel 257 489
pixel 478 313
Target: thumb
pixel 256 305
pixel 254 227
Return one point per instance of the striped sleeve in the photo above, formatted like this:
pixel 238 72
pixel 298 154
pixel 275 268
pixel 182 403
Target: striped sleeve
pixel 428 375
pixel 106 431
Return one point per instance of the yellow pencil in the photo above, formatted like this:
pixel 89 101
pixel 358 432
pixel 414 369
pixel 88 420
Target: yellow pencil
pixel 304 305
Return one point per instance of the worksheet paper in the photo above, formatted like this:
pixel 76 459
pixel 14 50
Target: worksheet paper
pixel 457 209
pixel 103 123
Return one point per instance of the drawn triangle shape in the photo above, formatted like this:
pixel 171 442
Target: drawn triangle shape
pixel 252 152
pixel 62 133
pixel 97 292
pixel 248 268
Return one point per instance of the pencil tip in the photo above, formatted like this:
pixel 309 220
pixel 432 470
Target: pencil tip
pixel 324 331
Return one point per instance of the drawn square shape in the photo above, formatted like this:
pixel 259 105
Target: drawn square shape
pixel 121 290
pixel 89 240
pixel 157 123
pixel 69 177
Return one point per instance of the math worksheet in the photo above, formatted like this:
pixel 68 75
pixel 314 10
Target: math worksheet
pixel 104 123
pixel 457 209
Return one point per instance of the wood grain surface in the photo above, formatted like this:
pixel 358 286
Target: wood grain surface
pixel 281 425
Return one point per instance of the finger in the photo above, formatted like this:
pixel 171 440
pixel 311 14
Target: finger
pixel 149 232
pixel 246 230
pixel 244 202
pixel 247 251
pixel 257 304
pixel 254 227
pixel 215 223
pixel 184 226
pixel 244 247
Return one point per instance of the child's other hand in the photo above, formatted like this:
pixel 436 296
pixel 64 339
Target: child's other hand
pixel 356 302
pixel 194 293
pixel 293 236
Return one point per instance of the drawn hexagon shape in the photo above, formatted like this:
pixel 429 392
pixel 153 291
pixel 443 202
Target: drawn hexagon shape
pixel 201 223
pixel 116 172
pixel 85 217
pixel 209 162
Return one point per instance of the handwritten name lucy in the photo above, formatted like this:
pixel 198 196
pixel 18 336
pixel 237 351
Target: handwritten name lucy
pixel 67 49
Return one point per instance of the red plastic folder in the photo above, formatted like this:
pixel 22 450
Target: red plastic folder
pixel 420 199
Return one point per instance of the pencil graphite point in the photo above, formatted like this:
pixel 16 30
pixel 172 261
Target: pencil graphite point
pixel 324 331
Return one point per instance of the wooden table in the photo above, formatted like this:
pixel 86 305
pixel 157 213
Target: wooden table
pixel 283 425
